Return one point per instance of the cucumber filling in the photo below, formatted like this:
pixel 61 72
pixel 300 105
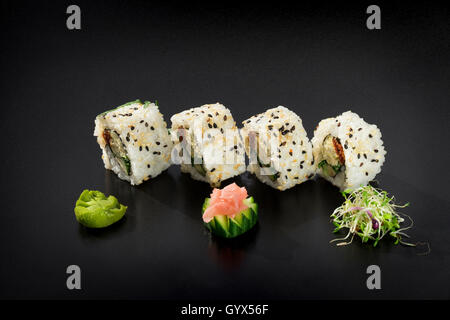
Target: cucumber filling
pixel 117 149
pixel 333 157
pixel 273 177
pixel 198 166
pixel 329 170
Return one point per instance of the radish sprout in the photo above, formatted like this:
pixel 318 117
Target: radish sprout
pixel 371 214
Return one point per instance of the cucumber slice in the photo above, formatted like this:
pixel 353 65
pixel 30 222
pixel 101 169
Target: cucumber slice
pixel 228 227
pixel 274 177
pixel 328 169
pixel 199 167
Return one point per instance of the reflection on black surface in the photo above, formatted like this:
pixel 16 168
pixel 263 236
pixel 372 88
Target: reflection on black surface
pixel 229 253
pixel 110 231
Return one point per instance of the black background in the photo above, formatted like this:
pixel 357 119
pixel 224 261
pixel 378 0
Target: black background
pixel 317 59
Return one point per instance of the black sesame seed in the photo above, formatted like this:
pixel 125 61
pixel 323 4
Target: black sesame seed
pixel 146 148
pixel 148 166
pixel 350 135
pixel 213 169
pixel 367 173
pixel 283 143
pixel 370 136
pixel 361 164
pixel 365 155
pixel 359 155
pixel 209 125
pixel 284 132
pixel 210 115
pixel 359 129
pixel 128 138
pixel 132 127
pixel 152 128
pixel 158 143
pixel 376 150
pixel 146 124
pixel 293 128
pixel 140 148
pixel 225 118
pixel 303 151
pixel 289 170
pixel 215 125
pixel 301 166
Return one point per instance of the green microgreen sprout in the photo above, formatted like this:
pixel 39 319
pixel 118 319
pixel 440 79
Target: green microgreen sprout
pixel 369 213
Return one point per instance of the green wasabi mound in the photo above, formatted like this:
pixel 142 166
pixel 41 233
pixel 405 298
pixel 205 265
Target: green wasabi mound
pixel 228 227
pixel 94 210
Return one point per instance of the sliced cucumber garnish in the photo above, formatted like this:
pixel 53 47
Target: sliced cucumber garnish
pixel 228 227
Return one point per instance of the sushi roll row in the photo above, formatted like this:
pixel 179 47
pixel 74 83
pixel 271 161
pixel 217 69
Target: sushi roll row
pixel 207 144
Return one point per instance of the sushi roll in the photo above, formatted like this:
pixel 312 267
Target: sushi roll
pixel 134 140
pixel 349 152
pixel 279 151
pixel 207 144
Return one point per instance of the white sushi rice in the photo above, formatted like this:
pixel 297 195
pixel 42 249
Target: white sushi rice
pixel 211 132
pixel 144 135
pixel 284 149
pixel 362 145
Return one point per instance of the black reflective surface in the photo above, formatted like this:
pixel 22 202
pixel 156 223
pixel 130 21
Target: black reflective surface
pixel 317 60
